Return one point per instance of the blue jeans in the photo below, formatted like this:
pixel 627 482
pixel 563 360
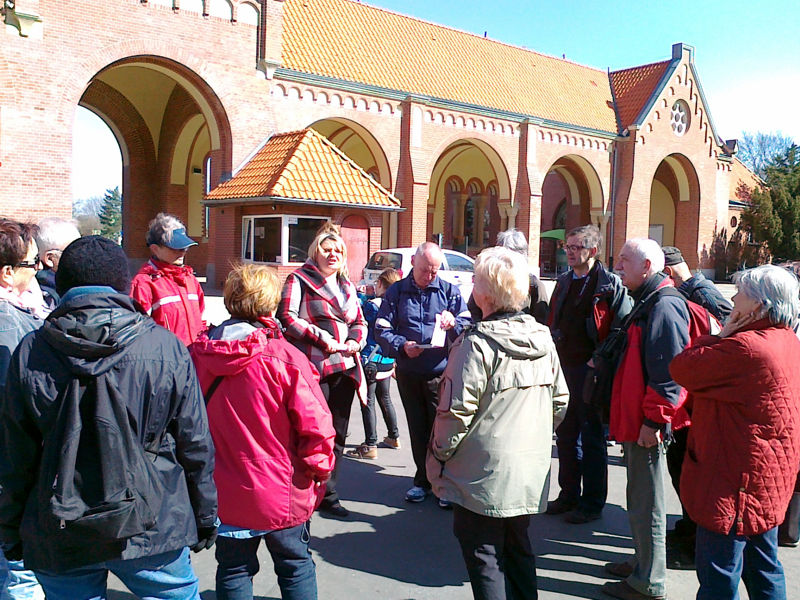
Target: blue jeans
pixel 237 563
pixel 722 560
pixel 17 583
pixel 167 576
pixel 381 390
pixel 582 451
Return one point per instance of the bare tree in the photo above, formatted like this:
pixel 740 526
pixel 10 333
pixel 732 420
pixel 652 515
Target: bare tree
pixel 758 150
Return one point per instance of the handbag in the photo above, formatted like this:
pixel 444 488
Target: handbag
pixel 370 367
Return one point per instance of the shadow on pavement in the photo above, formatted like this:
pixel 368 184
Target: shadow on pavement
pixel 411 543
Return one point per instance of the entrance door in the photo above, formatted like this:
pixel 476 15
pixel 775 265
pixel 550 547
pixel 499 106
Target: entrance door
pixel 355 232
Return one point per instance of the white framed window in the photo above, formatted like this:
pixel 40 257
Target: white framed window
pixel 278 239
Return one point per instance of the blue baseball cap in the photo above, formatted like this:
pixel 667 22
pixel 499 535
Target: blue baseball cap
pixel 180 241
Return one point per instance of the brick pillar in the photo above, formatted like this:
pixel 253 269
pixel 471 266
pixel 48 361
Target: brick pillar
pixel 270 36
pixel 413 195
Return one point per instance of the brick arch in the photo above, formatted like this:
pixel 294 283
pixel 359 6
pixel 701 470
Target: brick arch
pixel 581 168
pixel 139 171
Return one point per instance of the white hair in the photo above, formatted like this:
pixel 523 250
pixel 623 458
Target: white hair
pixel 503 274
pixel 431 249
pixel 159 230
pixel 513 239
pixel 55 234
pixel 647 249
pixel 776 288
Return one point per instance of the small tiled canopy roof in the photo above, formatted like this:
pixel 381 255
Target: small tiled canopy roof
pixel 354 42
pixel 303 167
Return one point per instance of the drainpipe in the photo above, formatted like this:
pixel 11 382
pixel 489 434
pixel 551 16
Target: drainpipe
pixel 612 206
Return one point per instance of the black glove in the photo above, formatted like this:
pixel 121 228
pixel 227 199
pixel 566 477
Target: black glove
pixel 206 536
pixel 14 553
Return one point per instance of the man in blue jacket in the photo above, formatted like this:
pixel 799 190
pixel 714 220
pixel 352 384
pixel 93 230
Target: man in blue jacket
pixel 405 322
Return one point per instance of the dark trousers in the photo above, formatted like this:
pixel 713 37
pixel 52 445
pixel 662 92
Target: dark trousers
pixel 339 391
pixel 498 554
pixel 420 396
pixel 237 564
pixel 379 391
pixel 684 527
pixel 582 451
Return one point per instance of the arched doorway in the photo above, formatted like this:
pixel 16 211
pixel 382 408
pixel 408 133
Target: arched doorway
pixel 468 183
pixel 571 196
pixel 175 142
pixel 675 206
pixel 362 148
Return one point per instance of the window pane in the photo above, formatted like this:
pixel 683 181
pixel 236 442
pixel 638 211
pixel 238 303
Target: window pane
pixel 385 260
pixel 267 240
pixel 301 233
pixel 247 236
pixel 458 263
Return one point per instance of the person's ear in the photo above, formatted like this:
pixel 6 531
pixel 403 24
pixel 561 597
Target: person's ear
pixel 7 275
pixel 47 259
pixel 668 270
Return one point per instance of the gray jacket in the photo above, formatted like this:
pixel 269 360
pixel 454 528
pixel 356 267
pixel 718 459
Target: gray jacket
pixel 15 324
pixel 500 397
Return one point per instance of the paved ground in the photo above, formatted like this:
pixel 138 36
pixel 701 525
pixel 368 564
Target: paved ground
pixel 391 550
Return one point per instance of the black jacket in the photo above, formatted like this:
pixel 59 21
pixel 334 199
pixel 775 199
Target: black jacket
pixel 701 291
pixel 85 336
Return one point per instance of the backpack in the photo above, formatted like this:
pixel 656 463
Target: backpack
pixel 96 482
pixel 606 358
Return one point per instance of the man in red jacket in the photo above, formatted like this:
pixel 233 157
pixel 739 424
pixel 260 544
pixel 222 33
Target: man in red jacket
pixel 167 288
pixel 645 403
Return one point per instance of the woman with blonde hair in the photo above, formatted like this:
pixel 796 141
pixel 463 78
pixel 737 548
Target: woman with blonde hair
pixel 321 313
pixel 273 437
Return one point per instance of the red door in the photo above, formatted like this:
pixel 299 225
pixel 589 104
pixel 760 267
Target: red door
pixel 355 232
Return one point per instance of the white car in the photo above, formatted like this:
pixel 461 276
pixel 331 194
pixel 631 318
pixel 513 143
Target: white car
pixel 457 268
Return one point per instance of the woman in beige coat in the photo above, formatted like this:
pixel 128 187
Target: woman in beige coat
pixel 491 443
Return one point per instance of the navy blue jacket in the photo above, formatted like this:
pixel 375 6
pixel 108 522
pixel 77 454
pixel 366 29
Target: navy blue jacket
pixel 701 291
pixel 408 313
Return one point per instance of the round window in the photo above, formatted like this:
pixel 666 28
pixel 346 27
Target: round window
pixel 679 117
pixel 734 222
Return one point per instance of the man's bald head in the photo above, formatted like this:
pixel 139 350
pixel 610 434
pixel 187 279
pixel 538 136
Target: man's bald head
pixel 426 262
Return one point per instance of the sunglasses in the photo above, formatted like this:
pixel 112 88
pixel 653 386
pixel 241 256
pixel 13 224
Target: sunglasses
pixel 573 248
pixel 29 265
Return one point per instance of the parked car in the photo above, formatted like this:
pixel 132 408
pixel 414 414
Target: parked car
pixel 457 268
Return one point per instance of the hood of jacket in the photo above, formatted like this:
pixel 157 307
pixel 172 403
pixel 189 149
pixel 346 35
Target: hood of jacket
pixel 92 331
pixel 225 357
pixel 518 334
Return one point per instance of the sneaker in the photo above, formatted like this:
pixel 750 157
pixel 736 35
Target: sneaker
pixel 363 451
pixel 416 494
pixel 559 507
pixel 389 442
pixel 445 504
pixel 580 516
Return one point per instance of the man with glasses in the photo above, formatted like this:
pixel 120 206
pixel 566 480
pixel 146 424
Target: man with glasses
pixel 166 287
pixel 19 257
pixel 585 302
pixel 52 237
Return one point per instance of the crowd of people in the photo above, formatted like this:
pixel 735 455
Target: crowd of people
pixel 132 432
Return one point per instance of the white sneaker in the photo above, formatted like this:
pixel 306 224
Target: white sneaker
pixel 416 494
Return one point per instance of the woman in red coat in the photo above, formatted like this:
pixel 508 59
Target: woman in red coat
pixel 744 444
pixel 273 437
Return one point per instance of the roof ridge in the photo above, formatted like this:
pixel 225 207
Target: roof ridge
pixel 652 64
pixel 469 33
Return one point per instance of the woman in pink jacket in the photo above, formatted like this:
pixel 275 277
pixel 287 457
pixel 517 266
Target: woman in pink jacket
pixel 744 444
pixel 273 436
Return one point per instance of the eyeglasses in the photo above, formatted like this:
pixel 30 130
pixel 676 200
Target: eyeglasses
pixel 29 265
pixel 574 248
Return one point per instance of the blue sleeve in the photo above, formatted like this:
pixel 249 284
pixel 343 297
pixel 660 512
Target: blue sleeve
pixel 386 323
pixel 458 308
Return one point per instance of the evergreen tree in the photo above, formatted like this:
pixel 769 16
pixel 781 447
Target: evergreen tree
pixel 774 212
pixel 111 215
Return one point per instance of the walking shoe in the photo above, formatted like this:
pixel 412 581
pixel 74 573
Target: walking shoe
pixel 621 589
pixel 559 507
pixel 786 541
pixel 416 494
pixel 363 451
pixel 445 504
pixel 389 442
pixel 680 558
pixel 580 516
pixel 619 569
pixel 334 509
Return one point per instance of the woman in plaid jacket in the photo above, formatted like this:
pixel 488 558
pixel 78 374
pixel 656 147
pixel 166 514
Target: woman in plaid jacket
pixel 322 315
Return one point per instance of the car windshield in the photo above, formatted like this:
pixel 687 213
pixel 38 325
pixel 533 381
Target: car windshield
pixel 459 263
pixel 384 260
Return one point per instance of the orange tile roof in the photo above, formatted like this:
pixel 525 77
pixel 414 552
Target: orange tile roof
pixel 304 165
pixel 355 42
pixel 633 88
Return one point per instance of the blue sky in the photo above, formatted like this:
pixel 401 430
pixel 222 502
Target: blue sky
pixel 747 56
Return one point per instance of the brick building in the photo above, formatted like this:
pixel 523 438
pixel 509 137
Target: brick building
pixel 470 134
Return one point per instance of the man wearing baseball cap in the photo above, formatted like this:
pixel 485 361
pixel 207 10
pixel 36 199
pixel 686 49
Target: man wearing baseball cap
pixel 167 288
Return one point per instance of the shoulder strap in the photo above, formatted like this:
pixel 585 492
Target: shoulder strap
pixel 213 388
